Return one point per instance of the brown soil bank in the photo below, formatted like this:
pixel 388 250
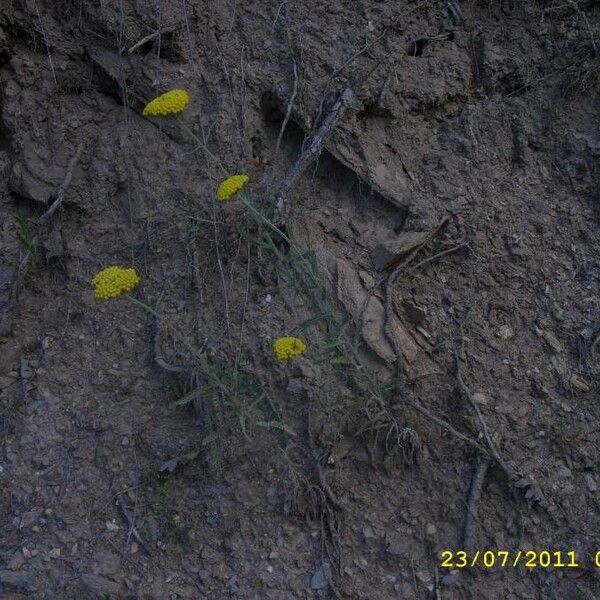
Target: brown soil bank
pixel 451 219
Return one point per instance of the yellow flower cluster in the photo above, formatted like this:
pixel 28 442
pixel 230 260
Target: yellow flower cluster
pixel 113 282
pixel 285 348
pixel 170 103
pixel 231 186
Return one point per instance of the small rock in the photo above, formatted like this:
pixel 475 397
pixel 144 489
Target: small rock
pixel 579 384
pixel 321 577
pixel 504 332
pixel 368 532
pixel 367 279
pixel 482 398
pixel 397 544
pixel 565 473
pixel 552 341
pixel 112 526
pixel 590 482
pixel 54 553
pixel 134 548
pixel 30 517
pixel 430 529
pixel 125 441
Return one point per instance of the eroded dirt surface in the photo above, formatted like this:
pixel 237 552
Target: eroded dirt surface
pixel 485 114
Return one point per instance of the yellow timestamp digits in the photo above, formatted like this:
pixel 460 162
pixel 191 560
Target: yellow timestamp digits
pixel 508 559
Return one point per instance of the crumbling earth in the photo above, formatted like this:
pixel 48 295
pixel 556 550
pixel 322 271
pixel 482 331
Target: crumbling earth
pixel 479 115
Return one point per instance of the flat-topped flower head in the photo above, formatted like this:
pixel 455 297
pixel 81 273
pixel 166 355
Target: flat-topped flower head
pixel 287 347
pixel 231 186
pixel 113 282
pixel 170 103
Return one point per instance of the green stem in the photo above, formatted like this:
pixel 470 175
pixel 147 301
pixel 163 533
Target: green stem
pixel 144 306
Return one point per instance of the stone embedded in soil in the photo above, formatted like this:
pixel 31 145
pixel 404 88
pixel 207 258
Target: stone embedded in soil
pixel 321 577
pixel 590 482
pixel 112 526
pixel 552 341
pixel 565 473
pixel 504 332
pixel 579 384
pixel 397 544
pixel 482 399
pixel 30 517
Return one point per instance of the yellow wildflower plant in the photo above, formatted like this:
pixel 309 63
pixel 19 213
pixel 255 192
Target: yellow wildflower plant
pixel 287 347
pixel 229 187
pixel 113 282
pixel 169 103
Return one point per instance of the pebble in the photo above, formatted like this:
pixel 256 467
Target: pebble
pixel 30 517
pixel 112 526
pixel 590 482
pixel 16 562
pixel 505 332
pixel 564 473
pixel 54 553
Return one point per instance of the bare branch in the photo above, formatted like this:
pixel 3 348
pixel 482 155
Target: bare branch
pixel 346 99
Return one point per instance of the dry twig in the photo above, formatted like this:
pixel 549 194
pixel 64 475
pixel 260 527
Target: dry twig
pixel 346 99
pixel 491 447
pixel 60 194
pixel 288 112
pixel 132 528
pixel 151 36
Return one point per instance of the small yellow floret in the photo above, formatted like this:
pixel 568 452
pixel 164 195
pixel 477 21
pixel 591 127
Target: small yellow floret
pixel 285 348
pixel 113 282
pixel 170 103
pixel 231 186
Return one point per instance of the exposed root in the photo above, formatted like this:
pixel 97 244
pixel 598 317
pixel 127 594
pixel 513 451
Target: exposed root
pixel 346 99
pixel 312 497
pixel 491 451
pixel 481 468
